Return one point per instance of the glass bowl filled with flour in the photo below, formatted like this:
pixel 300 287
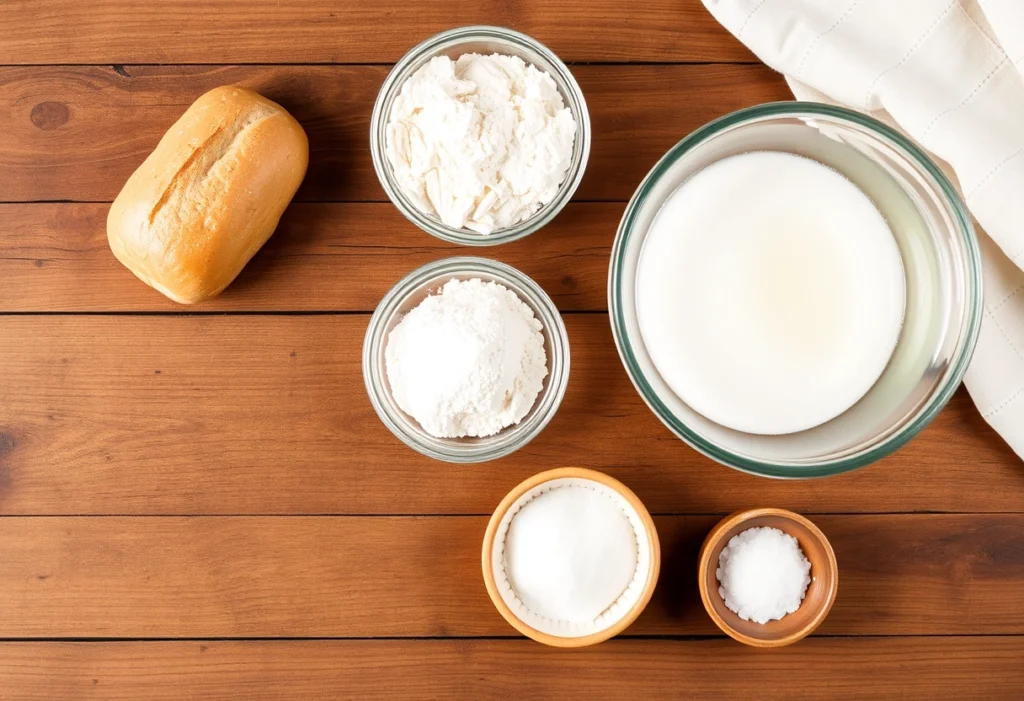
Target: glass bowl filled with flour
pixel 480 135
pixel 466 359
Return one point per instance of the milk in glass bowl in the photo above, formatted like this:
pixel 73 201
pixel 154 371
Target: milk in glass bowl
pixel 795 290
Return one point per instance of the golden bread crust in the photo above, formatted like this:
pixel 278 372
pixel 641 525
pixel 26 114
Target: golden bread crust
pixel 210 194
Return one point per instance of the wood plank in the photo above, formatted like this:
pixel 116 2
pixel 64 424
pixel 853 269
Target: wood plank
pixel 320 31
pixel 265 576
pixel 853 668
pixel 268 414
pixel 77 133
pixel 323 257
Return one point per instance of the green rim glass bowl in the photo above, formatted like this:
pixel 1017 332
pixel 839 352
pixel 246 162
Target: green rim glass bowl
pixel 943 286
pixel 407 294
pixel 483 40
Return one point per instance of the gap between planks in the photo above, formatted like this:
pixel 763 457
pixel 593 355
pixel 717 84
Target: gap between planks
pixel 120 67
pixel 669 513
pixel 475 638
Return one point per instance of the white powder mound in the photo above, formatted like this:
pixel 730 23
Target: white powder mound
pixel 570 554
pixel 482 143
pixel 763 574
pixel 469 361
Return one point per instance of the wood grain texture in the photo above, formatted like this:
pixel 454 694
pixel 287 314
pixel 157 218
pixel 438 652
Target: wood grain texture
pixel 123 436
pixel 268 414
pixel 320 31
pixel 77 133
pixel 323 257
pixel 910 669
pixel 263 576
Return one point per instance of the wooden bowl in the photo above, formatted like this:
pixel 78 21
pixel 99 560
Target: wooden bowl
pixel 653 560
pixel 821 592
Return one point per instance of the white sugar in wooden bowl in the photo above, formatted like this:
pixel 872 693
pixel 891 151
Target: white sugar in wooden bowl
pixel 571 557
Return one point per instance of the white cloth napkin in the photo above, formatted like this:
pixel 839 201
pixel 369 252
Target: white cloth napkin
pixel 949 74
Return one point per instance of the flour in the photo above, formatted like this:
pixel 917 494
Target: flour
pixel 469 361
pixel 482 142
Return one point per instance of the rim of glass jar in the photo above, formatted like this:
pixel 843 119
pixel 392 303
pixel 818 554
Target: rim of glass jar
pixel 571 93
pixel 516 436
pixel 968 333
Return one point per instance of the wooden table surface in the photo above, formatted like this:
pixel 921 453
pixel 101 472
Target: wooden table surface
pixel 202 503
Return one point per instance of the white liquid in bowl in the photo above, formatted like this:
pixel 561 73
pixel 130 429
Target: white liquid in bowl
pixel 770 293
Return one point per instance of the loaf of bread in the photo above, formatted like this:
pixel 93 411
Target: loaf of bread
pixel 201 205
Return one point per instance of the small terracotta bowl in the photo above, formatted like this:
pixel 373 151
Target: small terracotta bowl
pixel 821 592
pixel 614 620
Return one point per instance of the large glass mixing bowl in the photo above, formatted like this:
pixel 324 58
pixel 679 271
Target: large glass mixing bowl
pixel 943 286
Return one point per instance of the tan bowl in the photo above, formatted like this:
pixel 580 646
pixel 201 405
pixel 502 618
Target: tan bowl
pixel 620 624
pixel 821 592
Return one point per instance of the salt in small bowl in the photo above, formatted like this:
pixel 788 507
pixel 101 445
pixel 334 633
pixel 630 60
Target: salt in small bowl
pixel 820 595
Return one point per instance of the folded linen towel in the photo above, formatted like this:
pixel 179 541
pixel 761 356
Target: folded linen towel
pixel 948 73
